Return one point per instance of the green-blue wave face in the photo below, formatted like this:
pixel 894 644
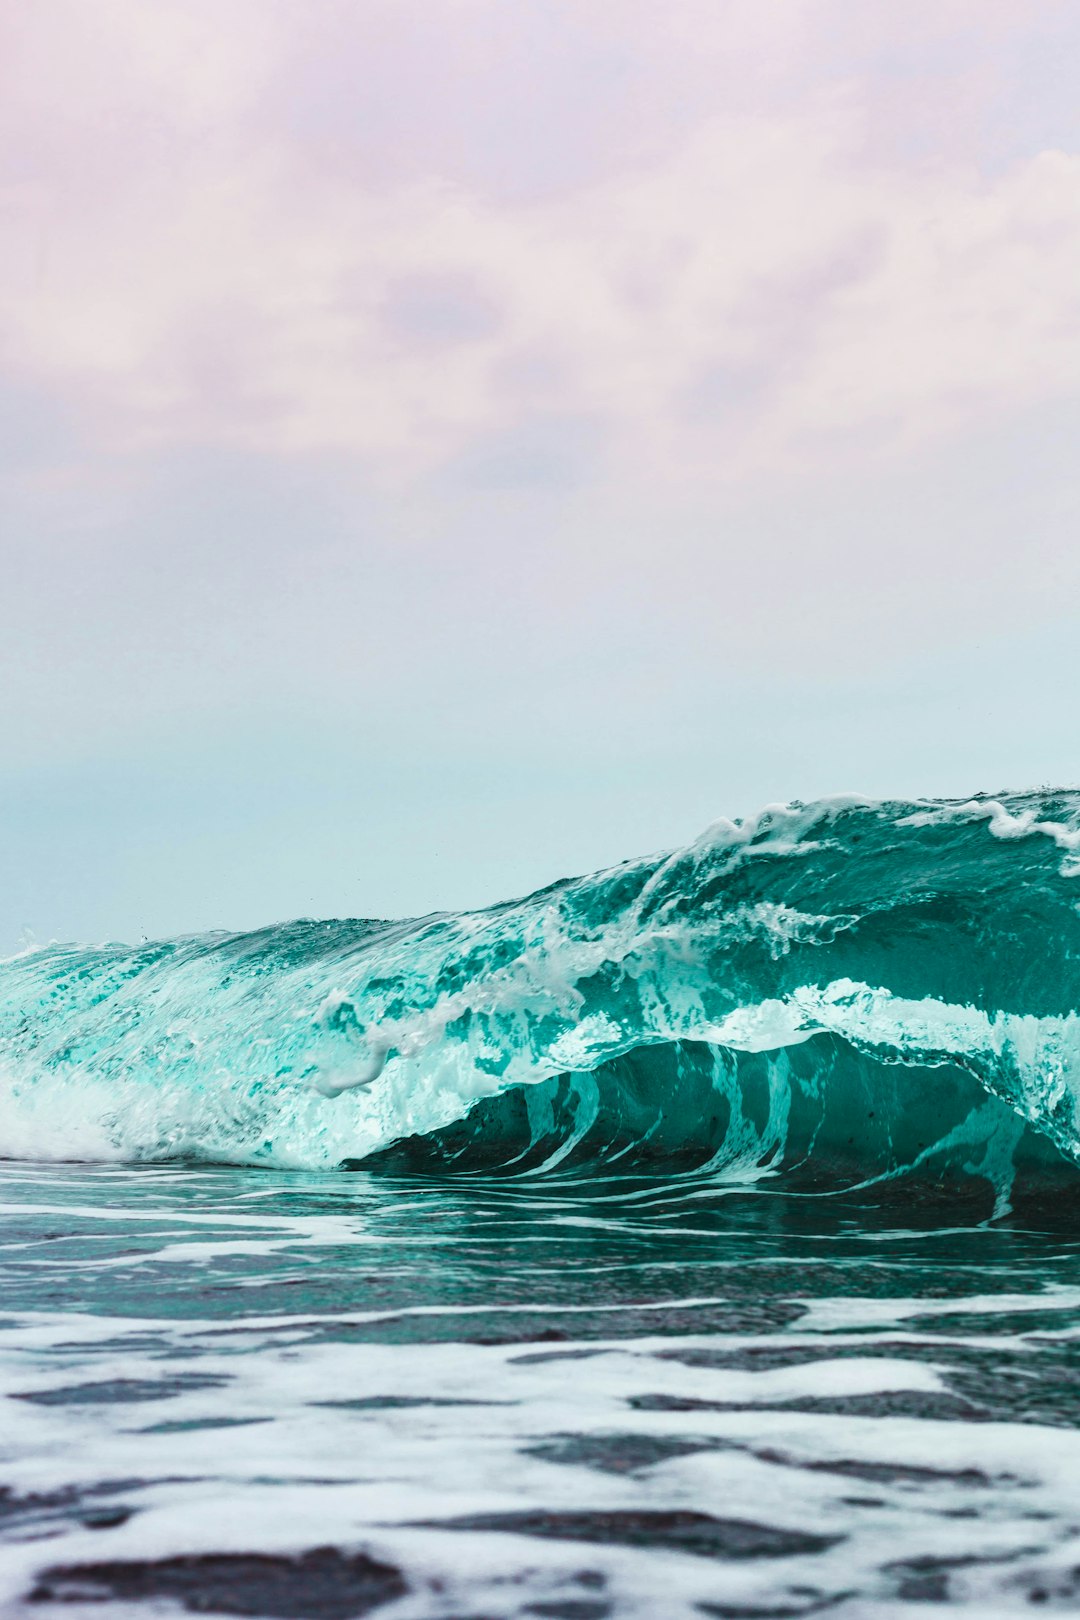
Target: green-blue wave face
pixel 838 991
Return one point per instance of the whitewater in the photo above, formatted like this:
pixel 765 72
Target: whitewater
pixel 698 1237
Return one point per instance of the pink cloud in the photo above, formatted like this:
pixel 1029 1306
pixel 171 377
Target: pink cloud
pixel 298 230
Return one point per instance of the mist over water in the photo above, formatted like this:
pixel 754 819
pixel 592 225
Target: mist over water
pixel 695 1238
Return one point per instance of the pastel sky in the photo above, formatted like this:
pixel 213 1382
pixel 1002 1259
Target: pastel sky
pixel 448 444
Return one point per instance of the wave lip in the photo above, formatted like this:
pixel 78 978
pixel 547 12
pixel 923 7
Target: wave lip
pixel 900 971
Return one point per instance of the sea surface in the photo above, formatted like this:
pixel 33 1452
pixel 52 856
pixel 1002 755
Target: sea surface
pixel 698 1238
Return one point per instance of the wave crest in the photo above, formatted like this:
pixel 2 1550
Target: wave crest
pixel 922 958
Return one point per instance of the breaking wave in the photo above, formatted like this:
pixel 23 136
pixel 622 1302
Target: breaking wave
pixel 837 992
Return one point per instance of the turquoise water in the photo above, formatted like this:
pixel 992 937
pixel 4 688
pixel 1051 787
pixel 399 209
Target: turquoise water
pixel 697 1238
pixel 531 1398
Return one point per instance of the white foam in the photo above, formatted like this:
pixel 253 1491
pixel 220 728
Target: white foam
pixel 1005 823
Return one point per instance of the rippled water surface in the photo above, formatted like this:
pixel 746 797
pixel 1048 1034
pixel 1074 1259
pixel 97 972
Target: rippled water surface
pixel 308 1394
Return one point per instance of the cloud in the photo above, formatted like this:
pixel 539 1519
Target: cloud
pixel 202 254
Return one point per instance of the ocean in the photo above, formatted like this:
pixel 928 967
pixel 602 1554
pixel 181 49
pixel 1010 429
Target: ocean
pixel 697 1238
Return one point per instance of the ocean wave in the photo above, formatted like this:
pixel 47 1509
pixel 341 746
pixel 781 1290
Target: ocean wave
pixel 845 989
